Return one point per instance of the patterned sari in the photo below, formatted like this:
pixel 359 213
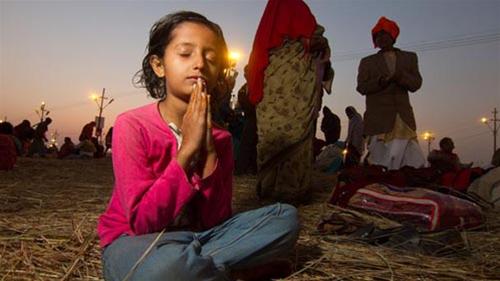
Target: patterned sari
pixel 286 119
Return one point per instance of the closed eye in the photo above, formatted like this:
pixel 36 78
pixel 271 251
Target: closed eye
pixel 211 57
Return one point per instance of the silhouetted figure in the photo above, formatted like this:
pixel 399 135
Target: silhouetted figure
pixel 235 125
pixel 247 160
pixel 330 126
pixel 109 140
pixel 318 145
pixel 99 148
pixel 330 159
pixel 8 153
pixel 25 134
pixel 67 149
pixel 86 149
pixel 38 145
pixel 444 159
pixel 355 140
pixel 87 131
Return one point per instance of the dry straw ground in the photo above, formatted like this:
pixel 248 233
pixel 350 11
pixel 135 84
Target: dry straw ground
pixel 49 208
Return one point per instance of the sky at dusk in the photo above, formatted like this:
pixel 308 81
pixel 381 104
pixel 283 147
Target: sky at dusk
pixel 60 52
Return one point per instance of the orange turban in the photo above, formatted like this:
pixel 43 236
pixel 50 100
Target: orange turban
pixel 387 25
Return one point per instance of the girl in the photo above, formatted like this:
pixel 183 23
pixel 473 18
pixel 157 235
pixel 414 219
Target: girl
pixel 169 217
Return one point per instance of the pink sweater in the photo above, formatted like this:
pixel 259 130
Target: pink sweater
pixel 151 188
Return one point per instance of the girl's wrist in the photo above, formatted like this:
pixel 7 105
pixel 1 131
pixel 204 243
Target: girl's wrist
pixel 209 164
pixel 184 159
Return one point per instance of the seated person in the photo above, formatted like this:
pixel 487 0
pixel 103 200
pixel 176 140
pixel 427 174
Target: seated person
pixel 444 159
pixel 8 153
pixel 87 149
pixel 330 158
pixel 67 149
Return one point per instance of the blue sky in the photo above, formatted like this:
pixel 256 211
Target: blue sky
pixel 61 51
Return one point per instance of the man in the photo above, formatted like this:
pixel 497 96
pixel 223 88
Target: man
pixel 38 145
pixel 385 78
pixel 24 133
pixel 354 141
pixel 444 159
pixel 67 149
pixel 87 131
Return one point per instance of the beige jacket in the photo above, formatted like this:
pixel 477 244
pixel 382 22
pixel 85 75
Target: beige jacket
pixel 382 104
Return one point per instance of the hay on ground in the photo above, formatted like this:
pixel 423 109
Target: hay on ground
pixel 49 209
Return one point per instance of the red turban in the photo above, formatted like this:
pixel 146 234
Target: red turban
pixel 387 25
pixel 281 19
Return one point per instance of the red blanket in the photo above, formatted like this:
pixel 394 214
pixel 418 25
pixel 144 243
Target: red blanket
pixel 426 209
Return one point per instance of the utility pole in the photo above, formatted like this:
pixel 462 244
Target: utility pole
pixel 100 120
pixel 494 128
pixel 100 124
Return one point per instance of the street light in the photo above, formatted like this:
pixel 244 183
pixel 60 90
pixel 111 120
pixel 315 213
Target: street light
pixel 94 97
pixel 429 137
pixel 230 75
pixel 43 112
pixel 234 57
pixel 99 100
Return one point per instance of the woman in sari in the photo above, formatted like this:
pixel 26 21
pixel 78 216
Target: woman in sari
pixel 288 69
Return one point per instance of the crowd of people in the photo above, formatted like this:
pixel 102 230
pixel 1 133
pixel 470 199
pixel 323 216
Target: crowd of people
pixel 29 140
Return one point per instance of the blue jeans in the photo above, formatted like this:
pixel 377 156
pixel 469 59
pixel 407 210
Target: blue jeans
pixel 245 240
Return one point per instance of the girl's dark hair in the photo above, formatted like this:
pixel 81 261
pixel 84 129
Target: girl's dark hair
pixel 160 36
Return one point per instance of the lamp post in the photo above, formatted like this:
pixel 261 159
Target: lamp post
pixel 43 112
pixel 494 128
pixel 429 137
pixel 99 100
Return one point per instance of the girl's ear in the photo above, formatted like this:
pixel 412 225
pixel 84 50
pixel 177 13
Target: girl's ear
pixel 157 66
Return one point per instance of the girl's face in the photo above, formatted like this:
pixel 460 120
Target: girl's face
pixel 193 52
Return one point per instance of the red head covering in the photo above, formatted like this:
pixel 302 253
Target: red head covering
pixel 387 25
pixel 281 19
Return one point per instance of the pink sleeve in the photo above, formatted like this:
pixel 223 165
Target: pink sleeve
pixel 150 203
pixel 217 188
